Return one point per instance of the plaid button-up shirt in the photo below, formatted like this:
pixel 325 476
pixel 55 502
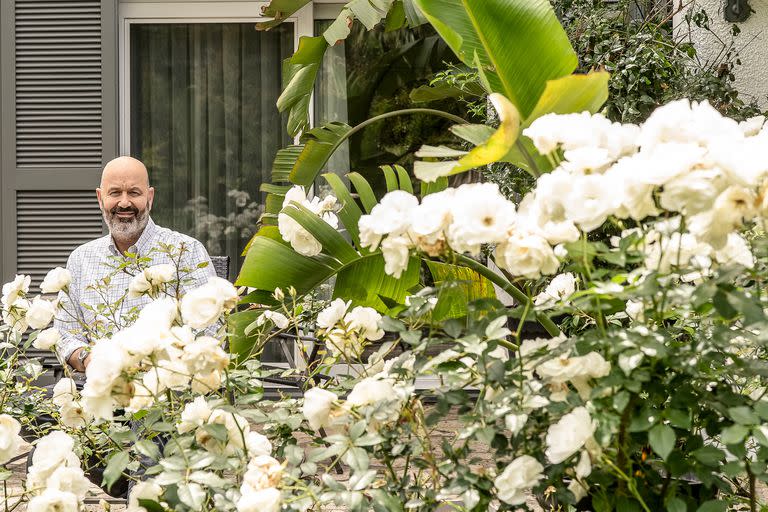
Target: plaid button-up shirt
pixel 93 261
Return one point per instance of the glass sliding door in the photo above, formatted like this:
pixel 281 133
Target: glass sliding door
pixel 203 119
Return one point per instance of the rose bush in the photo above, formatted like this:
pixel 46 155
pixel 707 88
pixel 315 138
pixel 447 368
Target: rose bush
pixel 651 396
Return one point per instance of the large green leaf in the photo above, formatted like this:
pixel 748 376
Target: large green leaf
pixel 334 245
pixel 270 264
pixel 350 213
pixel 279 10
pixel 319 145
pixel 244 345
pixel 299 73
pixel 572 93
pixel 364 282
pixel 518 44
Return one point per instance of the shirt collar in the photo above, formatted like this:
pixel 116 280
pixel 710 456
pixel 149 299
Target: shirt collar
pixel 141 245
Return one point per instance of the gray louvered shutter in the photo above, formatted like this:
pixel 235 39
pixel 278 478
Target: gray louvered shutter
pixel 44 240
pixel 60 125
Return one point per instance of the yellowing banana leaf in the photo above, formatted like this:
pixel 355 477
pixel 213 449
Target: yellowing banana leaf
pixel 493 149
pixel 466 286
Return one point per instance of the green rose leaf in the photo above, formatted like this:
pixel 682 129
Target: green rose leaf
pixel 662 440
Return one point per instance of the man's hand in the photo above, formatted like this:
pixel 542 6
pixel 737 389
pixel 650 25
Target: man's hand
pixel 74 361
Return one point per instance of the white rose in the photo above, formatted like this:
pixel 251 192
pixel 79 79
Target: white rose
pixel 74 415
pixel 433 216
pixel 735 252
pixel 146 490
pixel 392 216
pixel 278 319
pixel 70 479
pixel 142 398
pixel 10 440
pixel 53 499
pixel 300 239
pixel 396 253
pixel 371 391
pixel 105 368
pixel 635 310
pixel 204 355
pixel 40 313
pixel 138 285
pixel 206 382
pixel 527 256
pixel 515 422
pixel 560 288
pixel 47 338
pixel 99 407
pixel 64 391
pixel 265 500
pixel 257 444
pixel 171 374
pixel 584 468
pixel 159 274
pixel 317 406
pixel 693 192
pixel 237 428
pixel 591 199
pixel 366 321
pixel 194 415
pixel 731 208
pixel 15 316
pixel 519 476
pixel 568 435
pixel 225 290
pixel 201 308
pixel 15 289
pixel 263 472
pixel 480 215
pixel 56 280
pixel 51 451
pixel 331 315
pixel 159 314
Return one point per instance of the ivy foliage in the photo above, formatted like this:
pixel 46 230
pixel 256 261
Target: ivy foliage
pixel 650 63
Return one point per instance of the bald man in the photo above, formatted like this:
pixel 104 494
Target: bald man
pixel 125 198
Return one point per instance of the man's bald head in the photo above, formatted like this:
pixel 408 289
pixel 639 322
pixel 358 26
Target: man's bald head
pixel 125 198
pixel 125 168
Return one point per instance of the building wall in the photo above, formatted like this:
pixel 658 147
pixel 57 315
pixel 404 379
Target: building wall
pixel 751 44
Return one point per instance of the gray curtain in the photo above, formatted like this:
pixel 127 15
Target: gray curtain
pixel 204 121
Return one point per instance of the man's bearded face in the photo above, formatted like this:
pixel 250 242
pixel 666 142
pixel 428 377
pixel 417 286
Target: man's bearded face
pixel 126 222
pixel 125 198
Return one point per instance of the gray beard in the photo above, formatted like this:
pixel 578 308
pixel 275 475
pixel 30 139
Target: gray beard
pixel 126 231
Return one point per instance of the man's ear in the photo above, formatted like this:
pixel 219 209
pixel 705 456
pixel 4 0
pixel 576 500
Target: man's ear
pixel 98 198
pixel 150 196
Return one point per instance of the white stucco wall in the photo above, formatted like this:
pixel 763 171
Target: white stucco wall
pixel 751 44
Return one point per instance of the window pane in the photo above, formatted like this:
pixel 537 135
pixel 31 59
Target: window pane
pixel 204 121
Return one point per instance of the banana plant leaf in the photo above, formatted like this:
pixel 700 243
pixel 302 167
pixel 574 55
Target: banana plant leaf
pixel 279 10
pixel 299 73
pixel 458 287
pixel 518 45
